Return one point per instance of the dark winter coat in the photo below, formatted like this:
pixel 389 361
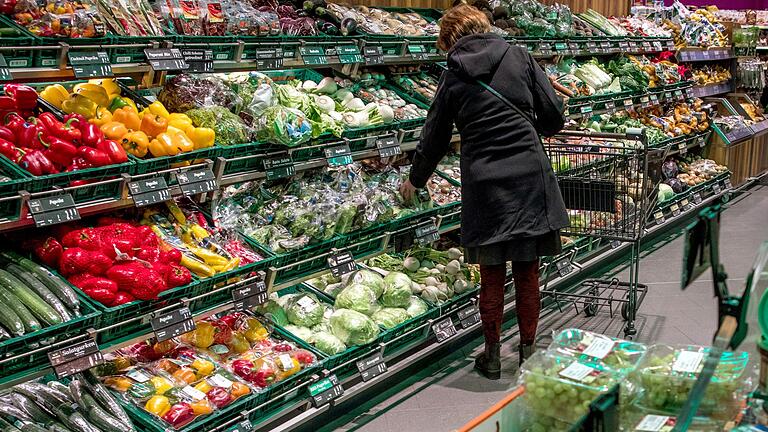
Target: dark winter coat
pixel 509 189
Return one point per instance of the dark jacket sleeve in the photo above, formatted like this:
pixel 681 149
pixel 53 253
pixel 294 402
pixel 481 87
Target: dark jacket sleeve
pixel 546 104
pixel 435 137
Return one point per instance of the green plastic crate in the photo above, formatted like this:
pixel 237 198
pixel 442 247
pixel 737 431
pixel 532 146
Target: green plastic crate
pixel 135 53
pixel 16 39
pixel 155 164
pixel 224 47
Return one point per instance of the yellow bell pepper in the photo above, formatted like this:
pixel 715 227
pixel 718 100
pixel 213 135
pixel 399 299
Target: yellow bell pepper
pixel 183 142
pixel 181 121
pixel 158 405
pixel 231 264
pixel 109 85
pixel 102 117
pixel 114 130
pixel 161 385
pixel 203 367
pixel 203 386
pixel 164 145
pixel 158 109
pixel 202 137
pixel 79 104
pixel 56 94
pixel 93 92
pixel 127 116
pixel 201 407
pixel 135 143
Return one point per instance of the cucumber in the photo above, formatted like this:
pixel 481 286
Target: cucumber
pixel 10 320
pixel 55 283
pixel 7 427
pixel 105 398
pixel 7 410
pixel 31 300
pixel 75 420
pixel 53 396
pixel 40 289
pixel 56 385
pixel 27 405
pixel 58 427
pixel 101 418
pixel 32 427
pixel 31 323
pixel 77 390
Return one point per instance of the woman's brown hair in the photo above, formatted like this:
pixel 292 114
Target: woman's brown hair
pixel 459 21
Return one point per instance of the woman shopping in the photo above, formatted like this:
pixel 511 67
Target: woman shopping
pixel 512 210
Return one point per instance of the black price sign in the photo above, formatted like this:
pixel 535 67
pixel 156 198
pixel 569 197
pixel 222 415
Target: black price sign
pixel 592 48
pixel 149 191
pixel 338 155
pixel 564 267
pixel 5 72
pixel 544 48
pixel 469 316
pixel 659 217
pixel 169 325
pixel 716 188
pixel 341 263
pixel 269 58
pixel 199 60
pixel 610 106
pixel 674 210
pixel 374 55
pixel 574 47
pixel 53 210
pixel 371 367
pixel 727 184
pixel 645 102
pixel 444 329
pixel 418 52
pixel 682 147
pixel 90 64
pixel 684 204
pixel 279 167
pixel 242 426
pixel 427 234
pixel 197 181
pixel 615 244
pixel 249 296
pixel 165 59
pixel 388 146
pixel 605 46
pixel 76 358
pixel 349 54
pixel 697 198
pixel 628 103
pixel 325 390
pixel 313 55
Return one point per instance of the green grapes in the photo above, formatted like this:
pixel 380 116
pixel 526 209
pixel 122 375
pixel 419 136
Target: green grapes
pixel 580 344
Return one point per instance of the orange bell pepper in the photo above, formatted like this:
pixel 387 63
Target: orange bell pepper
pixel 135 143
pixel 201 407
pixel 114 130
pixel 238 390
pixel 185 375
pixel 127 116
pixel 153 125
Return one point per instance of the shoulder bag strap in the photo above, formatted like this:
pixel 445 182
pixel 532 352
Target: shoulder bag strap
pixel 508 103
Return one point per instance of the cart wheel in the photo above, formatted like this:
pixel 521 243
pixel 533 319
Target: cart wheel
pixel 590 309
pixel 625 311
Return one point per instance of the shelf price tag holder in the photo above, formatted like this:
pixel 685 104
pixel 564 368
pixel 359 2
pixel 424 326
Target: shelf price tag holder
pixel 659 217
pixel 469 316
pixel 349 54
pixel 544 48
pixel 674 210
pixel 149 191
pixel 727 184
pixel 339 155
pixel 716 189
pixel 564 267
pixel 279 167
pixel 562 47
pixel 5 72
pixel 682 147
pixel 610 106
pixel 628 103
pixel 697 198
pixel 325 390
pixel 427 234
pixel 90 64
pixel 645 101
pixel 242 426
pixel 605 46
pixel 444 329
pixel 615 244
pixel 250 295
pixel 269 58
pixel 197 181
pixel 371 367
pixel 199 60
pixel 373 55
pixel 313 55
pixel 574 47
pixel 388 146
pixel 341 263
pixel 168 325
pixel 76 358
pixel 417 52
pixel 53 210
pixel 684 204
pixel 165 59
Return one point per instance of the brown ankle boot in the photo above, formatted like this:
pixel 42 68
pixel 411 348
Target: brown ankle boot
pixel 488 363
pixel 526 350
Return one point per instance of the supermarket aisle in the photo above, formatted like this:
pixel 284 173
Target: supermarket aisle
pixel 447 394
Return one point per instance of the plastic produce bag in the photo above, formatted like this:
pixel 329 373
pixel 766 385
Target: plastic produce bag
pixel 588 347
pixel 368 278
pixel 328 343
pixel 229 128
pixel 353 328
pixel 281 125
pixel 390 317
pixel 416 307
pixel 185 92
pixel 397 290
pixel 358 298
pixel 305 310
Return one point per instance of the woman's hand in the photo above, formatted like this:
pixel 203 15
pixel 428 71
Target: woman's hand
pixel 408 191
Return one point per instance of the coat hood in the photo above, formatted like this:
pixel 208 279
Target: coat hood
pixel 477 56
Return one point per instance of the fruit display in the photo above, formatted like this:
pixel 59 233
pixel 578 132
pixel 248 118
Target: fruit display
pixel 710 74
pixel 450 166
pixel 592 348
pixel 641 26
pixel 377 21
pixel 81 403
pixel 754 113
pixel 57 18
pixel 699 28
pixel 442 191
pixel 666 375
pixel 422 85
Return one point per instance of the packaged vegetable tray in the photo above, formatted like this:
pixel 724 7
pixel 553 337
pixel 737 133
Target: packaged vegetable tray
pixel 667 374
pixel 593 348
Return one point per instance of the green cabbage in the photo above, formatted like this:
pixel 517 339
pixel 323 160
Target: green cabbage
pixel 300 332
pixel 328 343
pixel 416 307
pixel 272 310
pixel 358 298
pixel 352 327
pixel 304 310
pixel 397 290
pixel 368 278
pixel 390 317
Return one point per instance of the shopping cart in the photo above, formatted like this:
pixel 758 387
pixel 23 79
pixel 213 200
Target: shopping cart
pixel 604 180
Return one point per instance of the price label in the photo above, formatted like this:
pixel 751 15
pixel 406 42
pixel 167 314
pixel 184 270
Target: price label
pixel 325 390
pixel 727 184
pixel 544 48
pixel 149 191
pixel 624 45
pixel 341 263
pixel 564 267
pixel 628 103
pixel 615 244
pixel 674 209
pixel 644 102
pixel 567 112
pixel 678 94
pixel 165 59
pixel 592 48
pixel 469 316
pixel 705 55
pixel 271 58
pixel 659 217
pixel 349 54
pixel 646 46
pixel 610 106
pixel 5 72
pixel 199 60
pixel 197 181
pixel 417 52
pixel 605 46
pixel 313 55
pixel 76 358
pixel 561 47
pixel 53 210
pixel 338 156
pixel 701 141
pixel 682 147
pixel 388 146
pixel 716 188
pixel 249 296
pixel 654 98
pixel 374 55
pixel 657 45
pixel 279 167
pixel 670 45
pixel 427 234
pixel 633 46
pixel 574 47
pixel 168 325
pixel 655 423
pixel 242 426
pixel 689 92
pixel 444 329
pixel 697 198
pixel 90 64
pixel 684 204
pixel 371 367
pixel 585 109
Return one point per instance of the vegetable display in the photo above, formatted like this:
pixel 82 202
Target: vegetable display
pixel 66 18
pixel 698 28
pixel 378 21
pixel 592 348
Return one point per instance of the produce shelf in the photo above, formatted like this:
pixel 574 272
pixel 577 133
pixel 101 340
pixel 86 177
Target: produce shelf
pixel 610 103
pixel 693 196
pixel 708 90
pixel 694 54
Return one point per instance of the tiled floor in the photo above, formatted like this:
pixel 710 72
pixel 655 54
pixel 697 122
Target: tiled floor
pixel 448 394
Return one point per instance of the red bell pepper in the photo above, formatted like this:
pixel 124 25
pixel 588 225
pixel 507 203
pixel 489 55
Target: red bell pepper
pixel 36 162
pixel 13 121
pixel 219 397
pixel 54 127
pixel 91 135
pixel 7 105
pixel 7 134
pixel 115 151
pixel 27 136
pixel 179 415
pixel 7 7
pixel 59 151
pixel 49 252
pixel 24 96
pixel 9 150
pixel 93 156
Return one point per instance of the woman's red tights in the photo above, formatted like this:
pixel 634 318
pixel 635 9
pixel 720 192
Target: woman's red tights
pixel 527 299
